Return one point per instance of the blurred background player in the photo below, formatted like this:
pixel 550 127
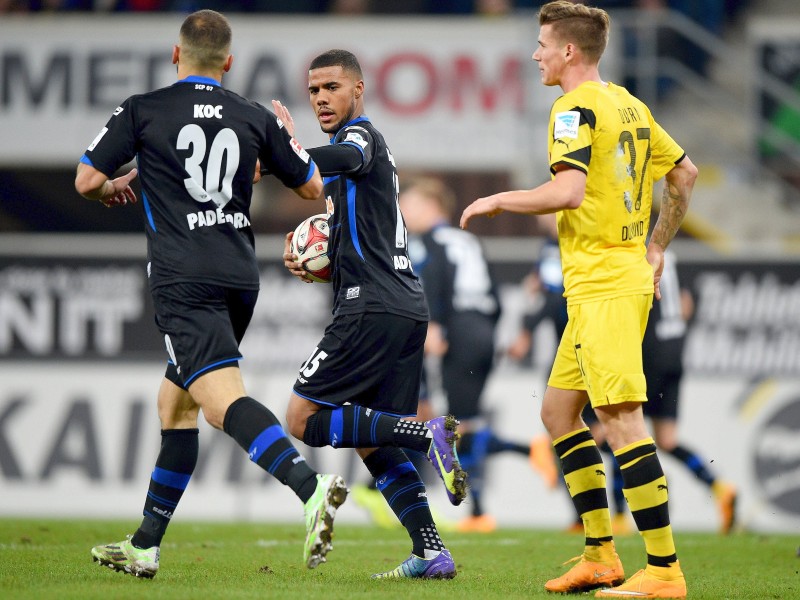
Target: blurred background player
pixel 464 307
pixel 662 358
pixel 363 377
pixel 203 275
pixel 662 354
pixel 546 284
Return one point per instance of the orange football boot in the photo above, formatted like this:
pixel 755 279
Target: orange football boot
pixel 587 575
pixel 646 585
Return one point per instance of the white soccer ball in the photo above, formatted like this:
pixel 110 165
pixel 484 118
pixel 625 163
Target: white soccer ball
pixel 310 244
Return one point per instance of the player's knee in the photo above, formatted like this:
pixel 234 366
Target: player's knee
pixel 549 417
pixel 295 424
pixel 178 417
pixel 214 417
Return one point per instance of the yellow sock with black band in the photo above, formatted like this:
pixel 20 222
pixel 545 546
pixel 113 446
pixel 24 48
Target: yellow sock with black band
pixel 646 491
pixel 585 477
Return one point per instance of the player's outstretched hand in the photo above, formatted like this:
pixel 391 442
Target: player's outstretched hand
pixel 290 260
pixel 284 115
pixel 119 193
pixel 482 206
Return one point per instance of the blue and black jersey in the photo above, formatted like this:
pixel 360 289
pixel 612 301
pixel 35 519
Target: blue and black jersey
pixel 368 241
pixel 196 145
pixel 455 275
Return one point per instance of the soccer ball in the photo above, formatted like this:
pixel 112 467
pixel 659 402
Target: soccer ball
pixel 310 244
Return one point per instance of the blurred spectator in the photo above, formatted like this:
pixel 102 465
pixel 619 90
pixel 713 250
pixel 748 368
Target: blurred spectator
pixel 13 6
pixel 350 7
pixel 672 43
pixel 141 5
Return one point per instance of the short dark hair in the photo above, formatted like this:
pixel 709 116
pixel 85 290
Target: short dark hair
pixel 338 58
pixel 205 39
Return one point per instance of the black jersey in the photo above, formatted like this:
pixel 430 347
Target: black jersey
pixel 662 347
pixel 455 274
pixel 368 240
pixel 196 146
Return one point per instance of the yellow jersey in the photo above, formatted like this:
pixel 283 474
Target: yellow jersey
pixel 611 136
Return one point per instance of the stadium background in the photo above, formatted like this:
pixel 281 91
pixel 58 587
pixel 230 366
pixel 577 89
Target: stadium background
pixel 455 96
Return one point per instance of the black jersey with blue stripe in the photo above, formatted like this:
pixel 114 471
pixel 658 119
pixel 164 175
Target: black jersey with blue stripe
pixel 196 145
pixel 368 242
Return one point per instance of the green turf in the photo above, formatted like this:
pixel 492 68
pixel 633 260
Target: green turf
pixel 50 559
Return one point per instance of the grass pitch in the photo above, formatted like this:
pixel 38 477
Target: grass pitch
pixel 50 559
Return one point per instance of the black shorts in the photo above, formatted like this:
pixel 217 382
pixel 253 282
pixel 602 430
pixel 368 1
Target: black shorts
pixel 373 360
pixel 663 389
pixel 467 364
pixel 202 326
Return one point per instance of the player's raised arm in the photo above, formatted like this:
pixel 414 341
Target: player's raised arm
pixel 564 192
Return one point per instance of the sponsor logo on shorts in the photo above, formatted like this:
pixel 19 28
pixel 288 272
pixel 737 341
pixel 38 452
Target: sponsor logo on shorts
pixel 353 293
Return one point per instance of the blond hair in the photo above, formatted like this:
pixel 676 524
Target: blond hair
pixel 436 190
pixel 205 39
pixel 585 26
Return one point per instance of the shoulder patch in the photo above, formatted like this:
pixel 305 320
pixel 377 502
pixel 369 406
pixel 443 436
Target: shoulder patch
pixel 298 149
pixel 566 124
pixel 355 138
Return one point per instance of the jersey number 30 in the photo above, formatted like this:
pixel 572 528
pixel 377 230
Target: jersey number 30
pixel 216 183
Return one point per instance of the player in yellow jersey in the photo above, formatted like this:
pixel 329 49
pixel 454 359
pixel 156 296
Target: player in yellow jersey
pixel 606 152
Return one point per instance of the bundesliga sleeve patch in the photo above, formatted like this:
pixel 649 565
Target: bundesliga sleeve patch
pixel 356 138
pixel 99 137
pixel 566 124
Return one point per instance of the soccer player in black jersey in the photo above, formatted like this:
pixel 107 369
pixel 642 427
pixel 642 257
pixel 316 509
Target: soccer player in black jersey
pixel 363 377
pixel 465 306
pixel 197 147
